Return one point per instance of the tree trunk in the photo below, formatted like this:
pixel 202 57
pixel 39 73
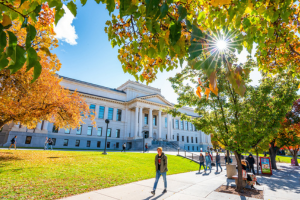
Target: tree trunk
pixel 228 157
pixel 257 161
pixel 272 152
pixel 239 186
pixel 295 157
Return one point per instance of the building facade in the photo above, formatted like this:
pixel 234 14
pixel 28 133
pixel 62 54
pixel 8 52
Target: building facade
pixel 135 111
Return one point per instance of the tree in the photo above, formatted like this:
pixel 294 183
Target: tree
pixel 239 123
pixel 30 103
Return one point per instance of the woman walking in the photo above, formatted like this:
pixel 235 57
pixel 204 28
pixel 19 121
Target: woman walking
pixel 207 162
pixel 201 159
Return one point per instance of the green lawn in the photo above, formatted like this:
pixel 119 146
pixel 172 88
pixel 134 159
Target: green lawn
pixel 55 174
pixel 283 159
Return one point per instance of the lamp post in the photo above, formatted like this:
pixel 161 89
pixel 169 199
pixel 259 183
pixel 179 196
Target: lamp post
pixel 107 122
pixel 143 132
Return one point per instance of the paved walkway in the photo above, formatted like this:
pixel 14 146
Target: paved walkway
pixel 283 185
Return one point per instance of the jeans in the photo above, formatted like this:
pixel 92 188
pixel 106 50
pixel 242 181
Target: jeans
pixel 46 146
pixel 158 174
pixel 218 164
pixel 252 167
pixel 201 164
pixel 50 145
pixel 208 164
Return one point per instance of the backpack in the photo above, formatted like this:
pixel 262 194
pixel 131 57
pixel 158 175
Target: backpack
pixel 13 140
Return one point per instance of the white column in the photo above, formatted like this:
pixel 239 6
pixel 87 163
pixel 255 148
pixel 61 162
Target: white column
pixel 169 126
pixel 159 125
pixel 96 111
pixel 150 123
pixel 141 122
pixel 45 126
pixel 115 114
pixel 105 112
pixel 136 121
pixel 39 126
pixel 172 124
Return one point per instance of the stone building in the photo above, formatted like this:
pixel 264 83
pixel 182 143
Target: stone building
pixel 134 110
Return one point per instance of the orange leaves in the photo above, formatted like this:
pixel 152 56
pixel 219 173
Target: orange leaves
pixel 207 91
pixel 198 92
pixel 212 87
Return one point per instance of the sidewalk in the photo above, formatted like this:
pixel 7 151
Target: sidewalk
pixel 283 185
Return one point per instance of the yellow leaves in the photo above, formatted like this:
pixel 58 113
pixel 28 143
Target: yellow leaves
pixel 6 20
pixel 299 86
pixel 249 7
pixel 207 91
pixel 220 2
pixel 214 89
pixel 198 92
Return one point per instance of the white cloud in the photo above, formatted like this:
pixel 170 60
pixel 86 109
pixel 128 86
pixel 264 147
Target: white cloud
pixel 64 29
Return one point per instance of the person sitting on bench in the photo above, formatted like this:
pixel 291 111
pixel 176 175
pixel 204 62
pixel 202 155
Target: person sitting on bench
pixel 251 178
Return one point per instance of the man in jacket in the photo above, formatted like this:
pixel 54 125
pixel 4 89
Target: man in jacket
pixel 161 167
pixel 207 162
pixel 201 161
pixel 218 161
pixel 251 162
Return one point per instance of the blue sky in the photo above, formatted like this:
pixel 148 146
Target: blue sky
pixel 87 55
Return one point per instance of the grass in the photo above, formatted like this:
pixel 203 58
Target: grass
pixel 56 174
pixel 283 159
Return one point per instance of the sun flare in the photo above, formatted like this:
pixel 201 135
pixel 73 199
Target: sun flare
pixel 221 44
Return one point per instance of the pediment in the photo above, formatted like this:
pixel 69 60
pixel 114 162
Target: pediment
pixel 156 98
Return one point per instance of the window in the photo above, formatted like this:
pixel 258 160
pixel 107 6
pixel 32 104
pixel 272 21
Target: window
pixel 109 132
pixel 146 119
pixel 118 133
pixel 108 145
pixel 197 149
pixel 166 122
pixel 88 143
pixel 166 137
pixel 28 140
pixel 188 147
pixel 187 139
pixel 90 130
pixel 55 129
pixel 92 109
pixel 173 137
pixel 79 129
pixel 53 141
pixel 186 125
pixel 196 140
pixel 182 138
pixel 177 137
pixel 67 131
pixel 192 139
pixel 101 112
pixel 154 120
pixel 176 124
pixel 191 126
pixel 66 141
pixel 110 113
pixel 181 125
pixel 98 144
pixel 77 143
pixel 99 131
pixel 119 114
pixel 117 145
pixel 193 148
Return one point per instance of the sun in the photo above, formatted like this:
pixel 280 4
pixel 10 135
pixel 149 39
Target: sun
pixel 221 45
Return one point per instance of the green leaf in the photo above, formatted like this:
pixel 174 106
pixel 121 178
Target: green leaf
pixel 37 71
pixel 31 58
pixel 182 13
pixel 72 7
pixel 31 32
pixel 24 24
pixel 3 40
pixel 163 10
pixel 181 62
pixel 98 1
pixel 196 47
pixel 175 32
pixel 83 2
pixel 3 61
pixel 20 60
pixel 59 13
pixel 46 50
pixel 110 5
pixel 169 1
pixel 126 8
pixel 151 52
pixel 11 49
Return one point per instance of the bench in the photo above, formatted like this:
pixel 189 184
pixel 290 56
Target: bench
pixel 244 183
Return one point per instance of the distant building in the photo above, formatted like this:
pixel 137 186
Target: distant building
pixel 133 109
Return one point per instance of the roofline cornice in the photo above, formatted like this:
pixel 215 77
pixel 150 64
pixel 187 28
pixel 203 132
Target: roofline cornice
pixel 138 84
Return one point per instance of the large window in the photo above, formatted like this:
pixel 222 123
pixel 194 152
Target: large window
pixel 196 140
pixel 117 145
pixel 187 139
pixel 67 131
pixel 98 144
pixel 188 147
pixel 166 122
pixel 193 148
pixel 173 137
pixel 192 139
pixel 182 138
pixel 176 124
pixel 53 141
pixel 66 141
pixel 99 131
pixel 110 113
pixel 186 125
pixel 28 140
pixel 118 133
pixel 191 126
pixel 154 120
pixel 177 137
pixel 88 143
pixel 101 112
pixel 119 114
pixel 55 129
pixel 92 109
pixel 108 145
pixel 89 130
pixel 109 132
pixel 181 125
pixel 77 143
pixel 79 129
pixel 146 119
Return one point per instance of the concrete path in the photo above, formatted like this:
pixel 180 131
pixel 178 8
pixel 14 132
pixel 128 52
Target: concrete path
pixel 283 185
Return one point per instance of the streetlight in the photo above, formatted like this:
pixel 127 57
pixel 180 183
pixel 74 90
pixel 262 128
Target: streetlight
pixel 143 132
pixel 107 122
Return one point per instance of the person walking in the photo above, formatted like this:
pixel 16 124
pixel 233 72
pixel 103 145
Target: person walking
pixel 251 162
pixel 50 143
pixel 161 167
pixel 218 161
pixel 207 162
pixel 201 160
pixel 46 144
pixel 146 147
pixel 13 142
pixel 124 147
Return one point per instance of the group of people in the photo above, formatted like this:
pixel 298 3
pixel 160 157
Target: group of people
pixel 48 144
pixel 208 160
